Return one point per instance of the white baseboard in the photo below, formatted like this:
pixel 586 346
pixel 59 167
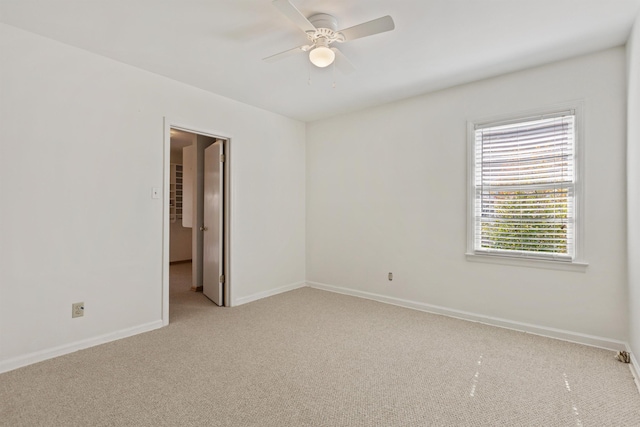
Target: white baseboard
pixel 576 337
pixel 39 356
pixel 635 368
pixel 270 292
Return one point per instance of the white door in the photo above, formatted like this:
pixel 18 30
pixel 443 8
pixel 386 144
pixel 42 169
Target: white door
pixel 212 263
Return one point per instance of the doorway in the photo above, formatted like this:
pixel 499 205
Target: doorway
pixel 197 210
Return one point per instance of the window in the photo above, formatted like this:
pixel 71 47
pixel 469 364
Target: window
pixel 524 188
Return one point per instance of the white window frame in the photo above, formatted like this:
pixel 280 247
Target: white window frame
pixel 578 262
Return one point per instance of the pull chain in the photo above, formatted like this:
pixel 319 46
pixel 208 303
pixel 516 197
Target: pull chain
pixel 333 72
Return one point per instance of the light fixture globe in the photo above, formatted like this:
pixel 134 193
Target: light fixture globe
pixel 322 56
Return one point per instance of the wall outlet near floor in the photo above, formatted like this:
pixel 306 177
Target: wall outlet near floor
pixel 77 309
pixel 390 276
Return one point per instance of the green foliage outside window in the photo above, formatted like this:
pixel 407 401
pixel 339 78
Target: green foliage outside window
pixel 533 221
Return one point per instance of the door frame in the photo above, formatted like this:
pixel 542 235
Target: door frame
pixel 227 200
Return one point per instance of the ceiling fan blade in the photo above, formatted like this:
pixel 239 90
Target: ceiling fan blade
pixel 281 55
pixel 342 62
pixel 294 15
pixel 369 28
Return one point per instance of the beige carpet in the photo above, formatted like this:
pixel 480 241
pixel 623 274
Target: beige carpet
pixel 314 358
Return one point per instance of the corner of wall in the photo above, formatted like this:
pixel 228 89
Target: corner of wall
pixel 634 367
pixel 633 187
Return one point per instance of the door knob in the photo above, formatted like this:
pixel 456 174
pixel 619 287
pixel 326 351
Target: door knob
pixel 203 228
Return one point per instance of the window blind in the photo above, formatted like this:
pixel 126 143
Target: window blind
pixel 525 187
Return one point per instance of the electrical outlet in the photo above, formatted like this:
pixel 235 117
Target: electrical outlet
pixel 77 309
pixel 390 276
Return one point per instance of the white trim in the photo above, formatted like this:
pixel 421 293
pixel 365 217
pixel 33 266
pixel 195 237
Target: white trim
pixel 39 356
pixel 228 199
pixel 634 366
pixel 578 106
pixel 576 337
pixel 169 124
pixel 528 262
pixel 166 178
pixel 269 293
pixel 540 114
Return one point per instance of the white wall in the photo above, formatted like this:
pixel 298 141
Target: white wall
pixel 386 192
pixel 633 187
pixel 180 242
pixel 81 148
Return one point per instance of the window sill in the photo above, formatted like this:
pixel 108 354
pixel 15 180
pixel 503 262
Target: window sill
pixel 578 266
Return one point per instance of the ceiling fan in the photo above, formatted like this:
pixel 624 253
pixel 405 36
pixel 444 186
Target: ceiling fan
pixel 321 30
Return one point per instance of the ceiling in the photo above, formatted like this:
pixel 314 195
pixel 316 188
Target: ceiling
pixel 218 45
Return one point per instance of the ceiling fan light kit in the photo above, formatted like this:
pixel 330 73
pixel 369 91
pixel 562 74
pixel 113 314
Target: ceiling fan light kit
pixel 322 56
pixel 321 30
